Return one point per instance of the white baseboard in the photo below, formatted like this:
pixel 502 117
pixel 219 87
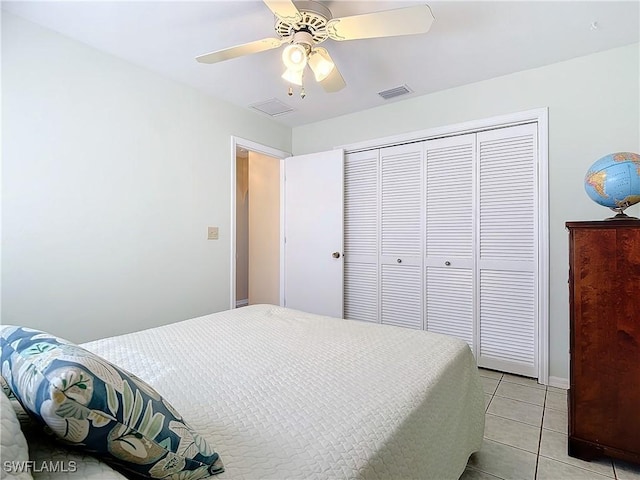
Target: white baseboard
pixel 559 382
pixel 242 303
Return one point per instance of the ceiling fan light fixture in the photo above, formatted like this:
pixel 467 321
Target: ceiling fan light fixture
pixel 321 64
pixel 306 23
pixel 293 76
pixel 294 57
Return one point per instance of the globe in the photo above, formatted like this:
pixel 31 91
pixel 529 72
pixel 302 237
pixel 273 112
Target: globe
pixel 614 181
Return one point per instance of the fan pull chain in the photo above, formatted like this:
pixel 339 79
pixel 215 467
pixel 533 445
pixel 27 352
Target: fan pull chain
pixel 303 92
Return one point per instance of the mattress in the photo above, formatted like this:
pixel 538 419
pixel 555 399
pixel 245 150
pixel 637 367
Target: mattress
pixel 284 394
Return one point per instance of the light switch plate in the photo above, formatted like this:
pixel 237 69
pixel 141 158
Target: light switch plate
pixel 212 233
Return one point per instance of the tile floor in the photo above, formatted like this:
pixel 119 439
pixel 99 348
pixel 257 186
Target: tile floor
pixel 525 436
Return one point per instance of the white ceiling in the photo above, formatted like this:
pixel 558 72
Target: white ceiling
pixel 468 42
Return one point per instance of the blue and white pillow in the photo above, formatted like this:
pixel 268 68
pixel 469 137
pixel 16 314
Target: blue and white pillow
pixel 90 403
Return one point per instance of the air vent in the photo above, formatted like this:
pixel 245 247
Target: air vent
pixel 273 107
pixel 395 92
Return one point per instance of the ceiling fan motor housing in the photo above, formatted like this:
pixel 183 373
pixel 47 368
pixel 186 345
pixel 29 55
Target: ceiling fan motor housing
pixel 314 22
pixel 303 38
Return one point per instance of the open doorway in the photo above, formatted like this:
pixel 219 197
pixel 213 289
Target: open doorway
pixel 257 240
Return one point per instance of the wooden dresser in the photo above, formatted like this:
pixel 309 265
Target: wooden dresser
pixel 604 295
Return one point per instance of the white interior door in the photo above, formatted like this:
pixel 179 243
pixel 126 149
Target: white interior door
pixel 313 230
pixel 401 239
pixel 508 249
pixel 449 238
pixel 313 217
pixel 361 232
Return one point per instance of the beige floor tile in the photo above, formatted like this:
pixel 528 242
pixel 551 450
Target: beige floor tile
pixel 557 390
pixel 521 393
pixel 471 474
pixel 626 471
pixel 523 419
pixel 557 401
pixel 529 382
pixel 549 469
pixel 504 461
pixel 510 432
pixel 516 410
pixel 555 420
pixel 554 445
pixel 490 373
pixel 489 385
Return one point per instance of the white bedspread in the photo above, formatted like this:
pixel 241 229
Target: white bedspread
pixel 284 394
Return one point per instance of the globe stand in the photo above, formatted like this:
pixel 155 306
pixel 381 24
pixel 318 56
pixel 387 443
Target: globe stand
pixel 621 215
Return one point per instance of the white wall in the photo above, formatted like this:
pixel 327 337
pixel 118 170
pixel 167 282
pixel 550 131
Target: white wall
pixel 111 175
pixel 594 109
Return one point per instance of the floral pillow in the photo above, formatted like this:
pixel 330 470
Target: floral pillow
pixel 88 402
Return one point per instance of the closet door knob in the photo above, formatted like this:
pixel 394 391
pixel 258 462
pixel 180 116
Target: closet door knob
pixel 399 260
pixel 447 263
pixel 335 254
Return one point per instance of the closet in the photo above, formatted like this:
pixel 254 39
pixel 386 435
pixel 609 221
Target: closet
pixel 442 235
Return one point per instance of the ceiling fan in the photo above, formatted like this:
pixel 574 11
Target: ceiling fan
pixel 305 24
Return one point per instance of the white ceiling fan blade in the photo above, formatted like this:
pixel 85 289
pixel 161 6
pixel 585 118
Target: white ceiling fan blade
pixel 334 82
pixel 388 23
pixel 240 50
pixel 285 10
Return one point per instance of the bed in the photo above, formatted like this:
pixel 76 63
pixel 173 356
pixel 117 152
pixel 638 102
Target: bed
pixel 286 394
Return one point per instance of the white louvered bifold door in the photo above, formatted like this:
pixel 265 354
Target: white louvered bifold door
pixel 401 240
pixel 507 257
pixel 450 164
pixel 361 286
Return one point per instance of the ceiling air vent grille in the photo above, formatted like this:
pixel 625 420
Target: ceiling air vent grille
pixel 395 92
pixel 273 107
